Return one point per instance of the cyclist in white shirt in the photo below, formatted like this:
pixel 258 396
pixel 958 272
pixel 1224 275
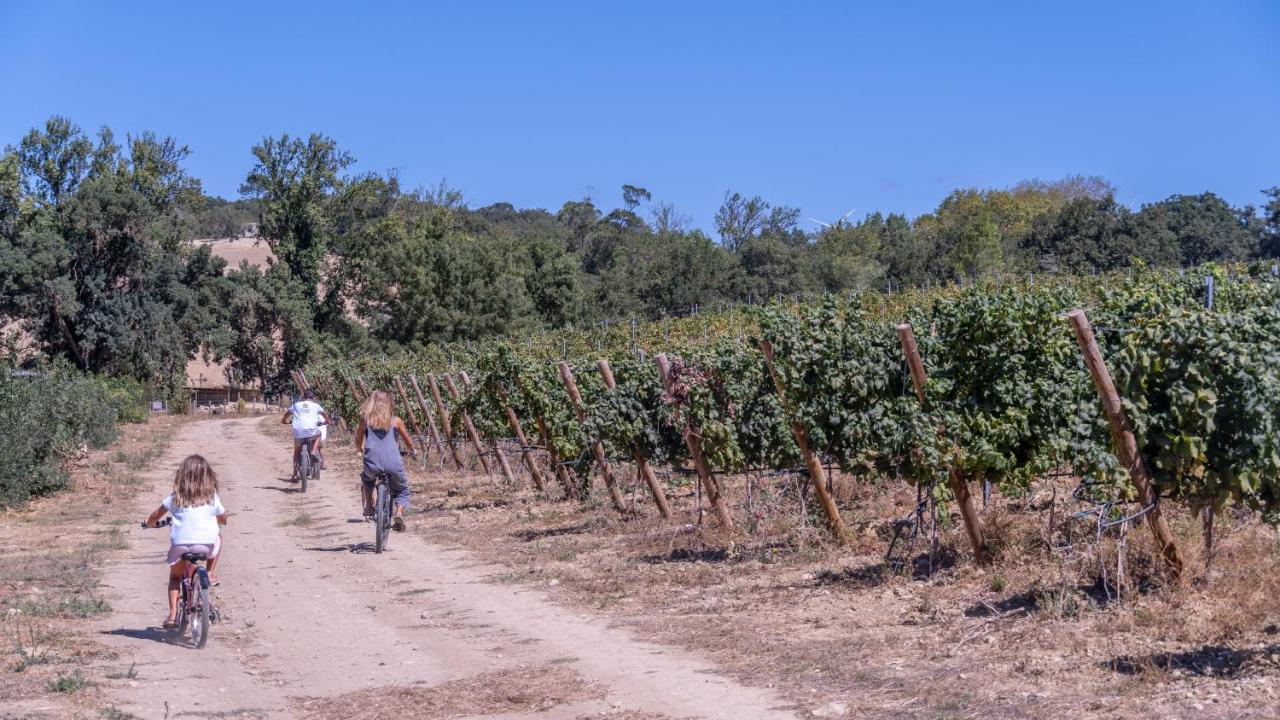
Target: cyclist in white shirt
pixel 308 420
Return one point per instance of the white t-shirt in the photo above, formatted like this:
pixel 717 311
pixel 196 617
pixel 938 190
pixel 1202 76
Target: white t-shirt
pixel 306 418
pixel 194 525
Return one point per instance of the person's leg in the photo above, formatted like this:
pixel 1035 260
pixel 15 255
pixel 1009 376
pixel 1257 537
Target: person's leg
pixel 400 495
pixel 175 582
pixel 297 450
pixel 213 560
pixel 366 496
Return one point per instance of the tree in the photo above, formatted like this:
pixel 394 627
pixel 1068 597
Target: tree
pixel 55 161
pixel 293 179
pixel 846 256
pixel 741 219
pixel 661 272
pixel 1271 224
pixel 1085 235
pixel 268 327
pixel 1194 229
pixel 632 196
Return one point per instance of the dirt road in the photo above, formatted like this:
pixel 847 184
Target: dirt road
pixel 314 617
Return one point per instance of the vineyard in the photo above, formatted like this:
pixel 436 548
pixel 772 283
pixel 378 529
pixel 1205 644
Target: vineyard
pixel 1144 389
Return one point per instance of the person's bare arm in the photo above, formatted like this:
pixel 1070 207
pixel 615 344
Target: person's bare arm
pixel 154 519
pixel 288 417
pixel 222 519
pixel 404 437
pixel 360 430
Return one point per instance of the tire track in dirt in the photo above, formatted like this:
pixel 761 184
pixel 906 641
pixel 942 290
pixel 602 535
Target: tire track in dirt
pixel 313 613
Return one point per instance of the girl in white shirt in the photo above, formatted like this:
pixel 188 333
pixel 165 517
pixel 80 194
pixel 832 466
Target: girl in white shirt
pixel 197 512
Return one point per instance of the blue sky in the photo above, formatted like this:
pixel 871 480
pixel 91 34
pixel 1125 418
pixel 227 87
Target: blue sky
pixel 825 106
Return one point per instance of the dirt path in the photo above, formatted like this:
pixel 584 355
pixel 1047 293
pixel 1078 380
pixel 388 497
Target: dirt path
pixel 313 616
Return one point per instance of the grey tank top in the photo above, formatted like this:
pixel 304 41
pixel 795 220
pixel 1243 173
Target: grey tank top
pixel 381 451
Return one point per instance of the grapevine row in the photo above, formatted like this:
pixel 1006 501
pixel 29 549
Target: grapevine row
pixel 1001 395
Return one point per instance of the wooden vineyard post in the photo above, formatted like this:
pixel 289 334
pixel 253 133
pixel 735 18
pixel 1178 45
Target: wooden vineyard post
pixel 811 461
pixel 497 451
pixel 467 426
pixel 1126 442
pixel 526 454
pixel 570 489
pixel 700 464
pixel 404 398
pixel 444 419
pixel 597 449
pixel 327 389
pixel 643 469
pixel 959 488
pixel 426 412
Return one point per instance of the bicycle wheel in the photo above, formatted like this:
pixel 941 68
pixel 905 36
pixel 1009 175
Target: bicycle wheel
pixel 200 614
pixel 381 518
pixel 315 468
pixel 304 469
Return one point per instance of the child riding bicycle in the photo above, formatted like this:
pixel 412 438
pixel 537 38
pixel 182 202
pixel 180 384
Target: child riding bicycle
pixel 376 443
pixel 197 512
pixel 308 420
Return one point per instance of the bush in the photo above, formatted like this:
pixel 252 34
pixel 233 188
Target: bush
pixel 47 417
pixel 129 397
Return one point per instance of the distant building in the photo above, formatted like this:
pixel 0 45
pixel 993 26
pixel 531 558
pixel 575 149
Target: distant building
pixel 210 384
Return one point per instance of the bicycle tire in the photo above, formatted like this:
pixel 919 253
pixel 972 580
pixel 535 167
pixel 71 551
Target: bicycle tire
pixel 381 518
pixel 315 468
pixel 304 468
pixel 182 618
pixel 200 617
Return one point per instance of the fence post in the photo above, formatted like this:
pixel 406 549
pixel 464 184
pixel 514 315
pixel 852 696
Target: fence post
pixel 1126 442
pixel 570 489
pixel 816 472
pixel 467 426
pixel 643 469
pixel 497 451
pixel 426 412
pixel 700 464
pixel 404 398
pixel 597 448
pixel 444 419
pixel 525 454
pixel 959 487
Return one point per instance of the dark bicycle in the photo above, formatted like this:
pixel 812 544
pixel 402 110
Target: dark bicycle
pixel 381 510
pixel 196 610
pixel 307 466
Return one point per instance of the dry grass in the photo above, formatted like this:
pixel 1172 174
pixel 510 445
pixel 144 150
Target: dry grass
pixel 1047 631
pixel 524 689
pixel 49 573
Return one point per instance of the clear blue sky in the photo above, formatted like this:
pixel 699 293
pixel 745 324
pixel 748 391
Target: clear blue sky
pixel 825 106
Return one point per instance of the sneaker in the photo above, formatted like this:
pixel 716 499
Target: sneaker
pixel 397 523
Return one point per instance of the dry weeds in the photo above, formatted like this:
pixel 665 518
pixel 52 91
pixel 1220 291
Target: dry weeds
pixel 49 576
pixel 524 689
pixel 1048 631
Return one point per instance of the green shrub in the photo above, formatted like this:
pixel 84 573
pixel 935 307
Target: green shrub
pixel 47 417
pixel 128 396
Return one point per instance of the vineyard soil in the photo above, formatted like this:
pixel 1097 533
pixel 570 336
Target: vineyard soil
pixel 317 626
pixel 825 627
pixel 501 603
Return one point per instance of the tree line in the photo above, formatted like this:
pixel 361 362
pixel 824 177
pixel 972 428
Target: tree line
pixel 97 264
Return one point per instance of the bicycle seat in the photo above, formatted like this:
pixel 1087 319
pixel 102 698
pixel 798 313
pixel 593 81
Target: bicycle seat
pixel 194 557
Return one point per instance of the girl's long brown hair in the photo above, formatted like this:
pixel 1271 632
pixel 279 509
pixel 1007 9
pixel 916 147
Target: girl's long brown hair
pixel 377 410
pixel 195 483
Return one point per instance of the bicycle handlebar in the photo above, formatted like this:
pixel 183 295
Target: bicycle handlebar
pixel 163 523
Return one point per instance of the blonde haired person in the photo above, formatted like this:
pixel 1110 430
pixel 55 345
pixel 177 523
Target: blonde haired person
pixel 376 443
pixel 197 512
